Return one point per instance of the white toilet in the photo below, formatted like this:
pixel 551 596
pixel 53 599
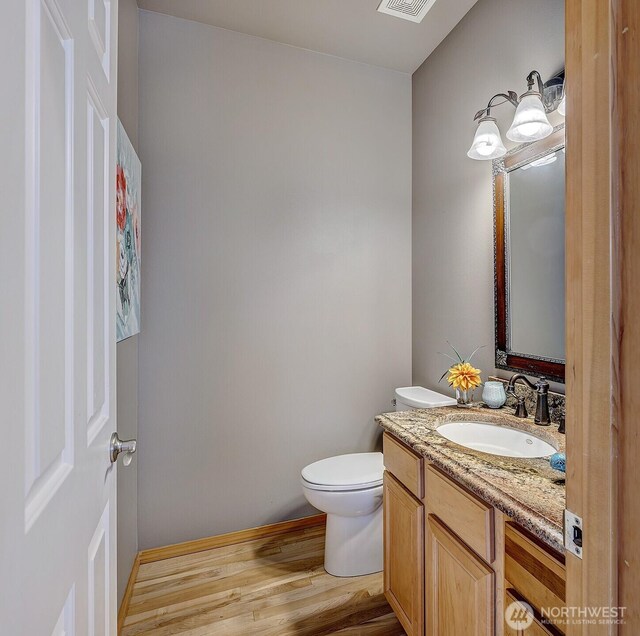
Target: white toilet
pixel 349 489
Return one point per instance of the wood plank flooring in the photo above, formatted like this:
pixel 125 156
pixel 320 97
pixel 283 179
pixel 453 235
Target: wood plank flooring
pixel 274 586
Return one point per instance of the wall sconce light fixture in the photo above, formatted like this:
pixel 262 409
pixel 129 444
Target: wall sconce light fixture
pixel 562 106
pixel 530 121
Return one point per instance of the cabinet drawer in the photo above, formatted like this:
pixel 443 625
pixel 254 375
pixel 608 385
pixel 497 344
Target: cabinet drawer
pixel 468 516
pixel 514 610
pixel 404 464
pixel 536 573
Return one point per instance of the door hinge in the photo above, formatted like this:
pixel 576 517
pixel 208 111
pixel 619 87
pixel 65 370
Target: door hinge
pixel 573 533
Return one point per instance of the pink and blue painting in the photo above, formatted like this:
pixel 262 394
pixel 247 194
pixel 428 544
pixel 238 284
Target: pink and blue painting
pixel 128 186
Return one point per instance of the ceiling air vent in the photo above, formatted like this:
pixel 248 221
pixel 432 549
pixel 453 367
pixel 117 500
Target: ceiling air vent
pixel 413 10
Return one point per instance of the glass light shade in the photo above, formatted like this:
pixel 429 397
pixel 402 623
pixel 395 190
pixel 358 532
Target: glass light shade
pixel 530 122
pixel 487 143
pixel 562 106
pixel 544 161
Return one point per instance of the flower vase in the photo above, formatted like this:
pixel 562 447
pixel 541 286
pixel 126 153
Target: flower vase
pixel 464 398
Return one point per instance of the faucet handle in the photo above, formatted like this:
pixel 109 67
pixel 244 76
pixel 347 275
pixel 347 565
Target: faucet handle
pixel 521 409
pixel 561 425
pixel 542 385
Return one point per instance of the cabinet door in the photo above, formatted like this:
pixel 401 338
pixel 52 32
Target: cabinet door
pixel 404 555
pixel 460 586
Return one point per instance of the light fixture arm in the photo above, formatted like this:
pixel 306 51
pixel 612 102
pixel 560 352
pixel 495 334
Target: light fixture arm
pixel 533 77
pixel 511 97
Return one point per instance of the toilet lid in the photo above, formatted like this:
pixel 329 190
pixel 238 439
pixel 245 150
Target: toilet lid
pixel 357 470
pixel 420 398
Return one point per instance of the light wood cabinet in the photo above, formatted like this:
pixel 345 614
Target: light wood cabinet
pixel 451 563
pixel 534 574
pixel 404 555
pixel 460 586
pixel 468 516
pixel 536 628
pixel 404 464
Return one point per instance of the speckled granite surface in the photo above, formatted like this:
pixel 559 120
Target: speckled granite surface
pixel 556 400
pixel 527 490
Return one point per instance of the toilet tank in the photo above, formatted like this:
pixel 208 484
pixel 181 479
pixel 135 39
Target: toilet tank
pixel 409 398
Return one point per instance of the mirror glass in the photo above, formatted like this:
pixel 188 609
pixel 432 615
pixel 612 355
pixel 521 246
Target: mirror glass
pixel 529 216
pixel 536 257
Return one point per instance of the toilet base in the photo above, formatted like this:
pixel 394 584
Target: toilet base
pixel 353 545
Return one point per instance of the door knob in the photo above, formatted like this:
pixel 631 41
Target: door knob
pixel 117 446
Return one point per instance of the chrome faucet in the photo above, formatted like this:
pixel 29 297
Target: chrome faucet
pixel 541 387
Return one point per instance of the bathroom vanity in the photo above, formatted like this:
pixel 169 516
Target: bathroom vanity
pixel 467 533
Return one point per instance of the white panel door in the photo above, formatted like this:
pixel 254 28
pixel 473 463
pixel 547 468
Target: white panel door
pixel 57 377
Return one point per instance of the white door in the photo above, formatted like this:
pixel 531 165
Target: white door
pixel 57 357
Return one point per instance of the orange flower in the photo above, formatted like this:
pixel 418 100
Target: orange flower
pixel 464 376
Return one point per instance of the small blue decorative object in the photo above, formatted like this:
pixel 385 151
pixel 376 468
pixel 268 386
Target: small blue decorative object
pixel 558 461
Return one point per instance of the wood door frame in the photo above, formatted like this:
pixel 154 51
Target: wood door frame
pixel 626 144
pixel 603 309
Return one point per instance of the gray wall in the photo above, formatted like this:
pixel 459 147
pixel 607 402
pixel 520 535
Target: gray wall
pixel 491 50
pixel 127 350
pixel 277 271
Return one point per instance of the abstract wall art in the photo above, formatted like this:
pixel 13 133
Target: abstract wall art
pixel 128 187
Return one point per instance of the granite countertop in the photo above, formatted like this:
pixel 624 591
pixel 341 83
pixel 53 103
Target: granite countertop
pixel 527 490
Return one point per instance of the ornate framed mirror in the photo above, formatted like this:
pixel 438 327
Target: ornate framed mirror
pixel 528 198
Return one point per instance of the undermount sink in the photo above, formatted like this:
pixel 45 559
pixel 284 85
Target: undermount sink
pixel 495 440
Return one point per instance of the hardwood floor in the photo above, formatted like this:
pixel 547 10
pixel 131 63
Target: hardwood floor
pixel 275 586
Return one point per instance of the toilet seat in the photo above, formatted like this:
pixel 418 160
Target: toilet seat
pixel 355 471
pixel 326 488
